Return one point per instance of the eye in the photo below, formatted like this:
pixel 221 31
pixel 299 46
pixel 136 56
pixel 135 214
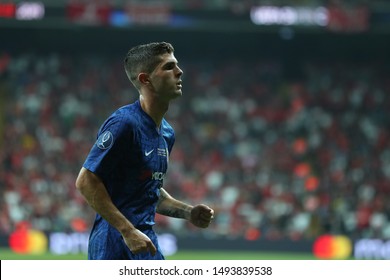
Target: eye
pixel 169 66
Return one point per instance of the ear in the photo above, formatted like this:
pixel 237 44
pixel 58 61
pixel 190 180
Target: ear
pixel 143 78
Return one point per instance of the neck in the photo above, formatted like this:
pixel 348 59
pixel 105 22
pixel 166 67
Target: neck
pixel 154 108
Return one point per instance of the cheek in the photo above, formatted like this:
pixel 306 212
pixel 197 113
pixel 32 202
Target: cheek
pixel 165 84
pixel 159 82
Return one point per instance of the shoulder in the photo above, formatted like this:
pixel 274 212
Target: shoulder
pixel 127 116
pixel 121 123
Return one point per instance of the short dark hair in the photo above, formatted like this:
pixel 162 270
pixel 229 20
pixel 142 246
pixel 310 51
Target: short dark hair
pixel 144 58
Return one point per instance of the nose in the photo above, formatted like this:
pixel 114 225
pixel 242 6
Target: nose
pixel 179 71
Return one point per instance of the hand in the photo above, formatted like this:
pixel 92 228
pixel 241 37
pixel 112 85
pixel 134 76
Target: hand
pixel 201 215
pixel 138 242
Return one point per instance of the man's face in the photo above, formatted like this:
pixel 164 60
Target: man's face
pixel 166 78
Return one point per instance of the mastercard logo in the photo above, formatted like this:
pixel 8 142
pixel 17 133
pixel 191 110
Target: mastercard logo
pixel 28 242
pixel 332 247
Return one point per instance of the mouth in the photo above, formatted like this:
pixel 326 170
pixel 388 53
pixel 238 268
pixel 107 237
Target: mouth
pixel 179 84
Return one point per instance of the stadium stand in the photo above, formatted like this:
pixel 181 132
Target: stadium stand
pixel 281 157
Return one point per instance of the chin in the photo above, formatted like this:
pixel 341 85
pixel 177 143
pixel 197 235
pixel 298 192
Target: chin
pixel 176 96
pixel 178 93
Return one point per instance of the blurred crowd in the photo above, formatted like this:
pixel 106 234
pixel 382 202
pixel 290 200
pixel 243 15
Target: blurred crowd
pixel 276 157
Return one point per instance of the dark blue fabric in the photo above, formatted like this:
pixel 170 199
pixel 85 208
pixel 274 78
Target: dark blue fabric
pixel 131 157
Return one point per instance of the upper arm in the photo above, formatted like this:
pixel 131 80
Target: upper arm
pixel 86 179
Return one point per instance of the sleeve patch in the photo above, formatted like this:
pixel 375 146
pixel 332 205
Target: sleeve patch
pixel 105 141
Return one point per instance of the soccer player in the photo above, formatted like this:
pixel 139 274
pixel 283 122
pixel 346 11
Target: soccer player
pixel 122 177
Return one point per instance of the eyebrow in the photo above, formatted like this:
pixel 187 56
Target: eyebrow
pixel 169 63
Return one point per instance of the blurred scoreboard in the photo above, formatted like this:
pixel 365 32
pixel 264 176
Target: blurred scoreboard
pixel 85 13
pixel 162 13
pixel 22 11
pixel 133 14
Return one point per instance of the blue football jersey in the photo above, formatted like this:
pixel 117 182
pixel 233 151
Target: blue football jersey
pixel 131 158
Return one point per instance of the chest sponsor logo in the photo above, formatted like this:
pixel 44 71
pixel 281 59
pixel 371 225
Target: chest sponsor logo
pixel 158 176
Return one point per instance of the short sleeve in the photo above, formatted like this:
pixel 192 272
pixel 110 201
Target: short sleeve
pixel 111 145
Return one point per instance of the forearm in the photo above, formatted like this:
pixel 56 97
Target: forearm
pixel 168 206
pixel 95 193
